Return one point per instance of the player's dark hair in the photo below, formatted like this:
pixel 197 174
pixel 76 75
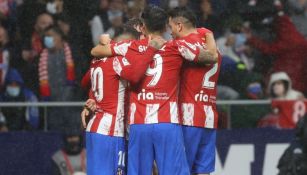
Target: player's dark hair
pixel 130 27
pixel 183 12
pixel 155 18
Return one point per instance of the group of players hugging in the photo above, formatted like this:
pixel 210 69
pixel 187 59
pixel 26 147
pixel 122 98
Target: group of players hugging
pixel 152 102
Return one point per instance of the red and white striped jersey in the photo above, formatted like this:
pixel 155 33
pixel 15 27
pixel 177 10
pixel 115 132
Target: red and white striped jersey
pixel 155 98
pixel 198 92
pixel 108 90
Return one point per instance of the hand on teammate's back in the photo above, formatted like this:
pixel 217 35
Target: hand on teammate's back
pixel 156 42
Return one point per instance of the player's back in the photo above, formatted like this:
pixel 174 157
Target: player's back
pixel 108 90
pixel 198 89
pixel 154 99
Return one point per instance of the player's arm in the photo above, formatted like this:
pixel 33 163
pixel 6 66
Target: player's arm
pixel 208 54
pixel 101 51
pixel 134 65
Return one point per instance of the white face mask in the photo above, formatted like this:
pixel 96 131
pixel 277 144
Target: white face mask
pixel 51 7
pixel 13 91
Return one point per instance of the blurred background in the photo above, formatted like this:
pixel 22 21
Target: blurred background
pixel 45 51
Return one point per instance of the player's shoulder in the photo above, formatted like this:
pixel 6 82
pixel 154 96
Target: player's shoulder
pixel 203 30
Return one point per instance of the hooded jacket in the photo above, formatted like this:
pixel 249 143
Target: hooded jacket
pixel 31 113
pixel 291 94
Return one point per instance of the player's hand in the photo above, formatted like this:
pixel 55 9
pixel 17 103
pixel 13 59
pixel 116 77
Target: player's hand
pixel 91 104
pixel 104 39
pixel 157 42
pixel 84 114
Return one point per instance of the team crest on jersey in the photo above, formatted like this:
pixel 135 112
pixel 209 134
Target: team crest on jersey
pixel 125 62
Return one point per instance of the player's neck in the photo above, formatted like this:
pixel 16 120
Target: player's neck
pixel 154 34
pixel 189 31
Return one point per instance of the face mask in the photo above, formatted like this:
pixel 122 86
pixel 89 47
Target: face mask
pixel 73 148
pixel 51 7
pixel 13 91
pixel 240 40
pixel 49 42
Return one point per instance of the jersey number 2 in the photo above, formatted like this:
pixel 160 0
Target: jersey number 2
pixel 97 83
pixel 206 82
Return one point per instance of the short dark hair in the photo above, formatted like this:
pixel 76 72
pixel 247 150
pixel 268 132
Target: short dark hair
pixel 57 30
pixel 155 18
pixel 129 27
pixel 183 12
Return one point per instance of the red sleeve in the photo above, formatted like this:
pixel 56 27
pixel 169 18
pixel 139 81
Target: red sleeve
pixel 134 65
pixel 120 48
pixel 187 50
pixel 203 31
pixel 267 48
pixel 86 81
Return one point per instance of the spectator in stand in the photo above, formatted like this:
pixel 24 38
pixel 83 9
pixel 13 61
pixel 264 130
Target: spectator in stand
pixel 108 20
pixel 5 54
pixel 19 118
pixel 280 87
pixel 208 19
pixel 283 104
pixel 31 53
pixel 290 58
pixel 8 15
pixel 3 127
pixel 71 159
pixel 57 78
pixel 299 15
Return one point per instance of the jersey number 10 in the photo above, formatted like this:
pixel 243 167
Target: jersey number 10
pixel 97 83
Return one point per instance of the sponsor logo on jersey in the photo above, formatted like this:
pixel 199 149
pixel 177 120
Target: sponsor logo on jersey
pixel 201 97
pixel 144 95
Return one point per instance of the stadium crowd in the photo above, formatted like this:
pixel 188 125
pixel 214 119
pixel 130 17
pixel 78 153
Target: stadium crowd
pixel 45 50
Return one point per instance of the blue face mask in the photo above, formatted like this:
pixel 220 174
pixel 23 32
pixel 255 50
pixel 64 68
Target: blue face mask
pixel 13 91
pixel 49 42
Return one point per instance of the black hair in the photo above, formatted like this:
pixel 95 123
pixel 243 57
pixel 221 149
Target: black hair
pixel 155 18
pixel 130 27
pixel 183 12
pixel 57 30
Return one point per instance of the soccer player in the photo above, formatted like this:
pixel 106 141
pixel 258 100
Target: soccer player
pixel 197 96
pixel 154 130
pixel 105 131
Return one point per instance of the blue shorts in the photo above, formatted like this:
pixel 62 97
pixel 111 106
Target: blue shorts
pixel 105 154
pixel 200 149
pixel 161 142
